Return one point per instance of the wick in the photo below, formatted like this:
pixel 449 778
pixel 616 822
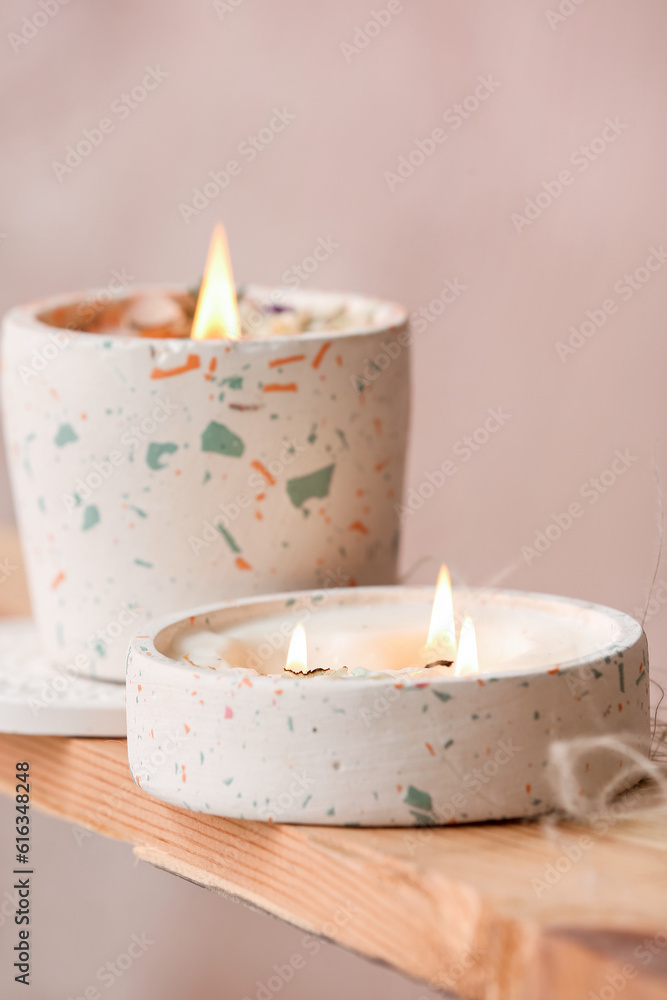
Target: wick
pixel 439 663
pixel 306 673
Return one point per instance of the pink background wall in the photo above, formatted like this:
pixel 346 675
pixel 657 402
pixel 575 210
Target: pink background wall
pixel 555 83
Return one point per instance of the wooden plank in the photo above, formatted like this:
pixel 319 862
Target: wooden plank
pixel 451 906
pixel 493 912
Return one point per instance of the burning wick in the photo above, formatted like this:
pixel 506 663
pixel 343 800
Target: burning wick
pixel 217 312
pixel 441 640
pixel 297 655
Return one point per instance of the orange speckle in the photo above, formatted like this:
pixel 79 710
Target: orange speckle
pixel 620 707
pixel 246 681
pixel 280 387
pixel 279 690
pixel 319 561
pixel 256 464
pixel 480 682
pixel 191 620
pixel 358 526
pixel 339 360
pixel 360 493
pixel 152 735
pixel 528 787
pixel 228 712
pixel 587 766
pixel 317 360
pixel 213 364
pixel 259 515
pixel 138 687
pixel 183 775
pixel 377 424
pixel 398 686
pixel 57 580
pixel 186 727
pixel 186 657
pixel 554 671
pixel 84 416
pixel 277 362
pixel 177 472
pixel 242 564
pixel 430 749
pixel 399 788
pixel 190 365
pixel 260 496
pixel 382 465
pixel 192 693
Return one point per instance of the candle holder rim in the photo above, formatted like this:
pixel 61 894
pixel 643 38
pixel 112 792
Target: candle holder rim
pixel 630 634
pixel 30 314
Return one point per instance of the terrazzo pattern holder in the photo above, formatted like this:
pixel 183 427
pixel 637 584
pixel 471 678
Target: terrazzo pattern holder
pixel 377 751
pixel 151 475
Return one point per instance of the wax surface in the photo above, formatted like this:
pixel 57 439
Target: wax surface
pixel 389 636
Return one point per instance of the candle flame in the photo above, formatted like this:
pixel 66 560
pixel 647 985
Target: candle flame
pixel 297 654
pixel 466 659
pixel 441 634
pixel 217 312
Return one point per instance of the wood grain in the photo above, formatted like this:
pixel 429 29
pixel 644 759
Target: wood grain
pixel 505 911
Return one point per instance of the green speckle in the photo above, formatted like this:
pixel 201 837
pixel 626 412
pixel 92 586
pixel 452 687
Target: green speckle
pixel 290 601
pixel 442 695
pixel 66 434
pixel 235 382
pixel 331 812
pixel 41 504
pixel 596 673
pixel 423 819
pixel 142 562
pixel 536 802
pixel 474 716
pixel 524 684
pixel 228 538
pixel 536 715
pixel 290 723
pixel 156 451
pixel 640 678
pixel 221 440
pixel 315 484
pixel 312 437
pixel 621 677
pixel 91 517
pixel 138 511
pixel 448 744
pixel 201 756
pixel 227 781
pixel 306 801
pixel 418 799
pixel 341 435
pixel 206 478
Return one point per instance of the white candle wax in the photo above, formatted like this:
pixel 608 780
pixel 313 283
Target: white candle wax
pixel 511 635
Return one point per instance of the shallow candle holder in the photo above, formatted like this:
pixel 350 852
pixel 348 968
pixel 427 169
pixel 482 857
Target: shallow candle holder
pixel 383 746
pixel 152 473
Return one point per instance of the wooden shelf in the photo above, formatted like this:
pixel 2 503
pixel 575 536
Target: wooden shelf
pixel 513 911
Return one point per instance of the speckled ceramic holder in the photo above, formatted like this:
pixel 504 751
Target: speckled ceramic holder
pixel 152 475
pixel 384 750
